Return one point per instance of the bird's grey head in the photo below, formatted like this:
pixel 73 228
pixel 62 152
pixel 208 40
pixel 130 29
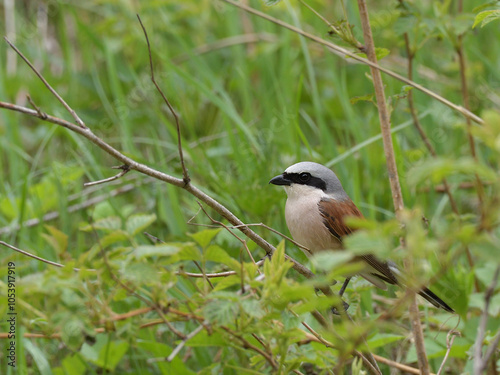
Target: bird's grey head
pixel 311 174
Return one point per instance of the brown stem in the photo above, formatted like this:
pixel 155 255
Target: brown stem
pixel 393 172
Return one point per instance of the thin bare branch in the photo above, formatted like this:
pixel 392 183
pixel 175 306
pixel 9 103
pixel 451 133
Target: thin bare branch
pixel 125 169
pixel 68 108
pixel 344 52
pixel 185 173
pixel 178 348
pixel 449 343
pixel 39 258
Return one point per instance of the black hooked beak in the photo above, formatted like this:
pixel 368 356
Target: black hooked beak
pixel 280 180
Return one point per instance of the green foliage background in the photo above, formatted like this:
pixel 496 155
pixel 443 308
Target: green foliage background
pixel 248 110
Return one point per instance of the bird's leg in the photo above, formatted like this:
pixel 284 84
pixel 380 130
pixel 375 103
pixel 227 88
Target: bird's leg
pixel 344 286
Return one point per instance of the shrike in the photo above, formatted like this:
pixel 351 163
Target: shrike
pixel 315 211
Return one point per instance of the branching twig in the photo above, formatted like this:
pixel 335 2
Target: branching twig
pixel 345 52
pixel 68 108
pixel 185 173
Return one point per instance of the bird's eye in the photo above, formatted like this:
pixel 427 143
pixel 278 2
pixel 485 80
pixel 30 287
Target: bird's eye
pixel 304 177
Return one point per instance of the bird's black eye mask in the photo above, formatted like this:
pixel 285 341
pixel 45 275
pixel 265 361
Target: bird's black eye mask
pixel 305 178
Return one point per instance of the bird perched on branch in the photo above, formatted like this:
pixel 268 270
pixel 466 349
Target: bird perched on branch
pixel 315 211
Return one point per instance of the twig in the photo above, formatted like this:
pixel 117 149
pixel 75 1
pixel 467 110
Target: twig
pixel 125 169
pixel 185 173
pixel 42 114
pixel 367 363
pixel 397 197
pixel 68 108
pixel 344 52
pixel 398 365
pixel 480 361
pixel 215 275
pixel 178 348
pixel 248 345
pixel 449 343
pixel 39 258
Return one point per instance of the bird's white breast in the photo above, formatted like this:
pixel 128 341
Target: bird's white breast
pixel 304 219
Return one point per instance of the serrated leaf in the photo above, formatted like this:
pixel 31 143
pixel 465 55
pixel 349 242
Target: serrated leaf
pixel 485 17
pixel 145 251
pixel 222 311
pixel 137 223
pixel 109 223
pixel 381 52
pixel 140 273
pixel 253 308
pixel 204 237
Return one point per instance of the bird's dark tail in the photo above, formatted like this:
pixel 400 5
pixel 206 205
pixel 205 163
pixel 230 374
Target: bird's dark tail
pixel 435 300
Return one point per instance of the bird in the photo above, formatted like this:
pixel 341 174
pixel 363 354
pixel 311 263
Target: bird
pixel 315 213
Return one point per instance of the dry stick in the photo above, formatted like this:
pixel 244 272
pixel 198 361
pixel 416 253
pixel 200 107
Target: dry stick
pixel 351 55
pixel 178 348
pixel 68 108
pixel 125 169
pixel 185 173
pixel 480 362
pixel 39 258
pixel 449 343
pixel 421 131
pixel 397 197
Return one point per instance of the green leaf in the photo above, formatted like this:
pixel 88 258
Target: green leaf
pixel 38 356
pixel 57 239
pixel 253 308
pixel 222 311
pixel 435 169
pixel 381 339
pixel 137 223
pixel 72 365
pixel 329 260
pixel 485 17
pixel 217 254
pixel 103 353
pixel 140 273
pixel 108 224
pixel 364 98
pixel 203 339
pixel 145 251
pixel 204 237
pixel 381 52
